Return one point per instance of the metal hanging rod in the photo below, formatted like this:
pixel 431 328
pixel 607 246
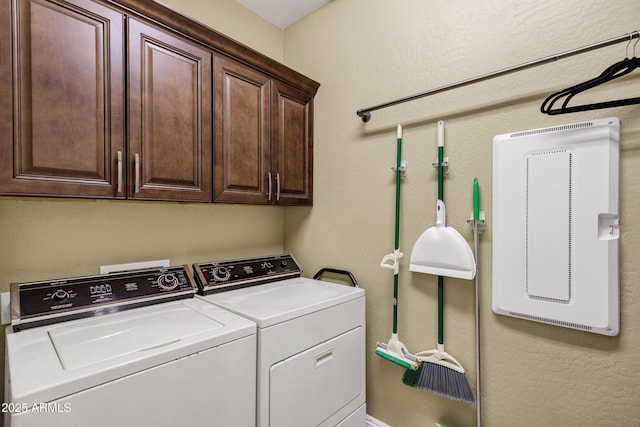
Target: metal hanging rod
pixel 365 113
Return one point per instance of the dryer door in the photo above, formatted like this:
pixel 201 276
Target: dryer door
pixel 311 387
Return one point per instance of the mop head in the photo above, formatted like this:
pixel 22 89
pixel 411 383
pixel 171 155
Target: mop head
pixel 440 374
pixel 397 353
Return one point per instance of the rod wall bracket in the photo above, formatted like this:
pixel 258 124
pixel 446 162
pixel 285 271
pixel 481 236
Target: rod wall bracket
pixel 364 115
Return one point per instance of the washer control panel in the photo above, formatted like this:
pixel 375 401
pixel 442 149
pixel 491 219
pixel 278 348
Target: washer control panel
pixel 40 303
pixel 222 276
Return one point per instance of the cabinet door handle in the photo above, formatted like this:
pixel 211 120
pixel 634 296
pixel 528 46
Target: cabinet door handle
pixel 269 186
pixel 137 167
pixel 119 172
pixel 277 187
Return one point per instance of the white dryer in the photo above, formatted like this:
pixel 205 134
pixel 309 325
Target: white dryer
pixel 76 357
pixel 311 339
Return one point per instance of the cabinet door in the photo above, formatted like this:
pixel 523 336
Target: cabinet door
pixel 61 98
pixel 169 116
pixel 242 138
pixel 292 145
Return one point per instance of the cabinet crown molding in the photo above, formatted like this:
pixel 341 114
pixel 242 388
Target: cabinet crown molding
pixel 217 41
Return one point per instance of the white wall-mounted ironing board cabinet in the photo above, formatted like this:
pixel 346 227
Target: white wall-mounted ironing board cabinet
pixel 556 225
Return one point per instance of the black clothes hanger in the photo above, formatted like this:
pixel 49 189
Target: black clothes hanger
pixel 614 71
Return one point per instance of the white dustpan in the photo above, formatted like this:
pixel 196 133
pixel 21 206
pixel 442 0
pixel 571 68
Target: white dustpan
pixel 442 251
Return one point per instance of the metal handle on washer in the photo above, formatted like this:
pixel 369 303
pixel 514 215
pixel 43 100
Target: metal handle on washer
pixel 336 271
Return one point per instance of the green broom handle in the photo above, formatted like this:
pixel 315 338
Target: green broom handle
pixel 398 162
pixel 440 278
pixel 397 233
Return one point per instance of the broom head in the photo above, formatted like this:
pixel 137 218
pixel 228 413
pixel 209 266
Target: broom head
pixel 441 374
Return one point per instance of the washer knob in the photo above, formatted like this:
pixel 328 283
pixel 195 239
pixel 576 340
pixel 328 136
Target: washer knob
pixel 221 274
pixel 60 295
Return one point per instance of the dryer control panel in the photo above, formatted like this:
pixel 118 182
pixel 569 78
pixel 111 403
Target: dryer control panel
pixel 41 303
pixel 222 276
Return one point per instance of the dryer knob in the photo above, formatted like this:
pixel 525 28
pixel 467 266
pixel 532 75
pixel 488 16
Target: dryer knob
pixel 60 295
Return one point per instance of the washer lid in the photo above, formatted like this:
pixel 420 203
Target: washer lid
pixel 278 302
pixel 50 362
pixel 82 345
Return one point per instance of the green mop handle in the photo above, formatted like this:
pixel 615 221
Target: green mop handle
pixel 440 197
pixel 397 230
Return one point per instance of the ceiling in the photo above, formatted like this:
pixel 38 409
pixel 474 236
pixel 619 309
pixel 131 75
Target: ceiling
pixel 282 13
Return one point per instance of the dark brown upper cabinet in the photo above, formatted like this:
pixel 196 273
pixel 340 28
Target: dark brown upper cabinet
pixel 292 144
pixel 263 138
pixel 169 116
pixel 61 99
pixel 243 138
pixel 118 99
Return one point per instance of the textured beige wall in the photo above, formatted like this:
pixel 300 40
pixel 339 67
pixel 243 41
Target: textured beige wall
pixel 367 52
pixel 47 238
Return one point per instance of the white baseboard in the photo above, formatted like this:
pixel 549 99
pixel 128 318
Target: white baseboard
pixel 372 422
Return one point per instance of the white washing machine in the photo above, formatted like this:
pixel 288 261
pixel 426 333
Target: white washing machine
pixel 311 339
pixel 126 349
